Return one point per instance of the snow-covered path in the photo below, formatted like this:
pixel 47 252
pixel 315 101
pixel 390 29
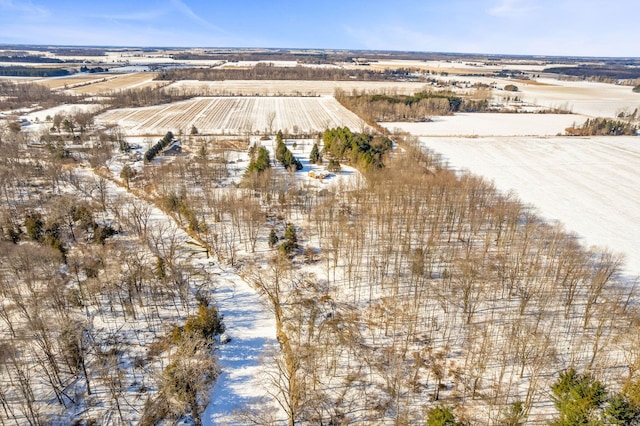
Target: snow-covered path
pixel 248 322
pixel 252 330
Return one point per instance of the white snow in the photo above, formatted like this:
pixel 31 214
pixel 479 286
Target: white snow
pixel 251 328
pixel 581 97
pixel 588 184
pixel 492 124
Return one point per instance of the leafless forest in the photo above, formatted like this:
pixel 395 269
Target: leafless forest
pixel 408 289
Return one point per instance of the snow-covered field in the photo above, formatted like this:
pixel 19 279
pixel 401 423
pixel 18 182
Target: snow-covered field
pixel 588 184
pixel 70 109
pixel 236 115
pixel 581 97
pixel 492 124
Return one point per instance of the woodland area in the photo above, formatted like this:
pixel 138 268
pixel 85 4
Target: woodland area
pixel 99 322
pixel 421 106
pixel 410 294
pixel 14 96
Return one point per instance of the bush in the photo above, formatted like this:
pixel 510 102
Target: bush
pixel 511 88
pixel 206 324
pixel 441 416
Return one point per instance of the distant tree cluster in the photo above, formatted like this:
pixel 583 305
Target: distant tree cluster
pixel 22 57
pixel 85 68
pixel 284 155
pixel 158 147
pixel 612 71
pixel 147 96
pixel 603 127
pixel 14 95
pixel 17 71
pixel 375 107
pixel 357 148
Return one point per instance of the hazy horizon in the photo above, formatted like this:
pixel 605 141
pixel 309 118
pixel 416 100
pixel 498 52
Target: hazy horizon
pixel 508 27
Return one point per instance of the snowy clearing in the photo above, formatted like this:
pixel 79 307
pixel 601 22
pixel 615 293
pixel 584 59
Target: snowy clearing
pixel 588 184
pixel 491 124
pixel 70 109
pixel 581 97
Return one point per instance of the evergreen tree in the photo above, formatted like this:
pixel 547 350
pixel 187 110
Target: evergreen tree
pixel 578 398
pixel 34 226
pixel 315 157
pixel 290 243
pixel 441 416
pixel 261 162
pixel 273 238
pixel 290 234
pixel 334 165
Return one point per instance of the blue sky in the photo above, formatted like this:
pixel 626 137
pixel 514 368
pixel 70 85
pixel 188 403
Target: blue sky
pixel 544 27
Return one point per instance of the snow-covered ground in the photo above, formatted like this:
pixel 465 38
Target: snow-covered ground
pixel 252 330
pixel 237 115
pixel 588 184
pixel 492 124
pixel 581 97
pixel 61 109
pixel 248 322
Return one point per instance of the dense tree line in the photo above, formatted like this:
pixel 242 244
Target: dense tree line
pixel 85 68
pixel 611 71
pixel 21 57
pixel 18 71
pixel 603 127
pixel 269 72
pixel 159 146
pixel 147 96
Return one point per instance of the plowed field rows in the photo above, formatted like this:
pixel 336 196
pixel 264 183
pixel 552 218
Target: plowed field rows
pixel 236 115
pixel 127 81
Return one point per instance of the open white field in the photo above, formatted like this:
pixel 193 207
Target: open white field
pixel 582 97
pixel 236 115
pixel 588 184
pixel 451 67
pixel 491 124
pixel 290 87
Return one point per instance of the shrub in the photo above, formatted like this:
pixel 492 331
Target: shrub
pixel 206 324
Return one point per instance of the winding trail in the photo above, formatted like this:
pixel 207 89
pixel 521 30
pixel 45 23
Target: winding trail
pixel 249 324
